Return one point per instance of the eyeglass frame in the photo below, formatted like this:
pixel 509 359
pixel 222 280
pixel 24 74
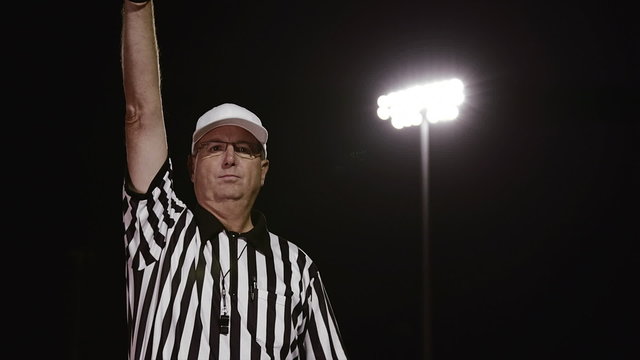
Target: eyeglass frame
pixel 251 156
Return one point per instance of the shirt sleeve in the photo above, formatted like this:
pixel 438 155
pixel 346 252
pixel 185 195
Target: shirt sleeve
pixel 322 339
pixel 148 217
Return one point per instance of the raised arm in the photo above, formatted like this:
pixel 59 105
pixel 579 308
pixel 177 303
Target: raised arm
pixel 145 135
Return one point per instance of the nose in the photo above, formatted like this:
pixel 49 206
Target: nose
pixel 229 156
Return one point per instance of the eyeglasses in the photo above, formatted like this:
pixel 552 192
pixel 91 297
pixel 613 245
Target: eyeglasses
pixel 242 149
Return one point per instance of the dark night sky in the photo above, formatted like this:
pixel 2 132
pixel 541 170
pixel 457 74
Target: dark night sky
pixel 532 190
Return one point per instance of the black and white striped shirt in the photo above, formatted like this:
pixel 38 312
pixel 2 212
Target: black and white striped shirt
pixel 184 270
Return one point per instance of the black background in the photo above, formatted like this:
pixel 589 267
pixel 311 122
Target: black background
pixel 532 190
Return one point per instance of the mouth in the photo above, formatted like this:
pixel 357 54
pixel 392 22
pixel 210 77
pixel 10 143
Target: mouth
pixel 228 177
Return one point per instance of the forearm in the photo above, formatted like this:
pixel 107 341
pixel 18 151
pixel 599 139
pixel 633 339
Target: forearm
pixel 144 123
pixel 140 68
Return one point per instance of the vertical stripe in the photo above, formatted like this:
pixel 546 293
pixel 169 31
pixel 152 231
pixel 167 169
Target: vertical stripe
pixel 187 334
pixel 223 258
pixel 286 335
pixel 241 300
pixel 301 312
pixel 252 308
pixel 334 332
pixel 271 305
pixel 316 346
pixel 194 346
pixel 144 309
pixel 180 307
pixel 214 337
pixel 278 293
pixel 261 327
pixel 234 330
pixel 321 312
pixel 147 316
pixel 206 301
pixel 169 291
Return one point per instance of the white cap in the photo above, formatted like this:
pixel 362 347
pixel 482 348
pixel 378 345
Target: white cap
pixel 230 114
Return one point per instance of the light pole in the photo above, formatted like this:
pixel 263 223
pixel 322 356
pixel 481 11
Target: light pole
pixel 434 102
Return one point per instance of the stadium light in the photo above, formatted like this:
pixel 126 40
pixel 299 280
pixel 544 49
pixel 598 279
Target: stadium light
pixel 439 101
pixel 436 101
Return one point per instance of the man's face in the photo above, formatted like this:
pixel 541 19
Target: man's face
pixel 227 176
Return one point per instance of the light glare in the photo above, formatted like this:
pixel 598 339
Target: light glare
pixel 441 113
pixel 383 113
pixel 438 100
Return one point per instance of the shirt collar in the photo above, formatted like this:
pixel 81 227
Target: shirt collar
pixel 209 227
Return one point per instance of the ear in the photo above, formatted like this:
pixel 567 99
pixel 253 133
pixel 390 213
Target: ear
pixel 264 168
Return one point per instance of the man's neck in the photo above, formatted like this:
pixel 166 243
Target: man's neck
pixel 233 216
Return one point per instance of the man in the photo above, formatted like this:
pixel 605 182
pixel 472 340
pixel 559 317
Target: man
pixel 209 282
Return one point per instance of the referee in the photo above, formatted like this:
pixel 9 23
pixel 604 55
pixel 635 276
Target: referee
pixel 208 282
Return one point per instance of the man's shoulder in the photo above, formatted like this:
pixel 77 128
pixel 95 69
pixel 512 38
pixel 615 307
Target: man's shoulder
pixel 290 246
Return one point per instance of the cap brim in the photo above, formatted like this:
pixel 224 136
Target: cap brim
pixel 259 132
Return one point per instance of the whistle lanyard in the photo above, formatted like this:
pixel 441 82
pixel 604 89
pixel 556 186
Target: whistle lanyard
pixel 224 315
